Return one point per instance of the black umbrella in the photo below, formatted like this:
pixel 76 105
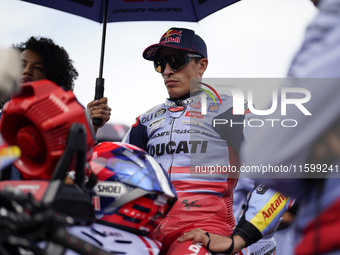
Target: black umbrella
pixel 105 11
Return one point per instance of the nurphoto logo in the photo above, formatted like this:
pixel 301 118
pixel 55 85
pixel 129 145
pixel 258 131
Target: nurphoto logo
pixel 204 99
pixel 245 92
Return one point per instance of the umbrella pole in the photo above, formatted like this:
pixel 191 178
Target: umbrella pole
pixel 99 92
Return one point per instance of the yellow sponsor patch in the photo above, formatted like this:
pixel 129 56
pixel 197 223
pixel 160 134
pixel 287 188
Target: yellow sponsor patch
pixel 269 211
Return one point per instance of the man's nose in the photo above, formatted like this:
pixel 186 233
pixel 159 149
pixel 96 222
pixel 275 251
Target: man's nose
pixel 168 70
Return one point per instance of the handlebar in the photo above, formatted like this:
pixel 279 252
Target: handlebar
pixel 25 222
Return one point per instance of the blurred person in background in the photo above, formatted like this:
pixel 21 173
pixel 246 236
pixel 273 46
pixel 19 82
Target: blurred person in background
pixel 315 141
pixel 41 59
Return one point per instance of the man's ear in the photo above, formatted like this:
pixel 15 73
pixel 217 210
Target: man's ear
pixel 203 64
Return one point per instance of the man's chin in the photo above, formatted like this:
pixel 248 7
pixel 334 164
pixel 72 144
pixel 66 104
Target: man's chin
pixel 177 92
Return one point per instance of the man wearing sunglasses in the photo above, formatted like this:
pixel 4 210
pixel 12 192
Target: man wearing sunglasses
pixel 179 137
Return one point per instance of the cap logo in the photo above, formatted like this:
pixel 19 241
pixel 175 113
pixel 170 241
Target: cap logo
pixel 151 52
pixel 171 36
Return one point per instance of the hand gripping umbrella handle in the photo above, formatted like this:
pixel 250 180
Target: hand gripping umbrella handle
pixel 99 93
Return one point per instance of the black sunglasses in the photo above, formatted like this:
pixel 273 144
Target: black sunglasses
pixel 176 61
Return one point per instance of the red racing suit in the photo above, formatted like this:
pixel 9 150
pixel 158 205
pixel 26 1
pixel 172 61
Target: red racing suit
pixel 185 142
pixel 201 158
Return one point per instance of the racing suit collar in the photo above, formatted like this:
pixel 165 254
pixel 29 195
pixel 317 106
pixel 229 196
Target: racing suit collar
pixel 183 100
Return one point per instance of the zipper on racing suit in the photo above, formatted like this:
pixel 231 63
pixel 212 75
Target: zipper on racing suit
pixel 172 123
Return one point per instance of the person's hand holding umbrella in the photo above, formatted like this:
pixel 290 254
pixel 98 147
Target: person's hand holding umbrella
pixel 99 109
